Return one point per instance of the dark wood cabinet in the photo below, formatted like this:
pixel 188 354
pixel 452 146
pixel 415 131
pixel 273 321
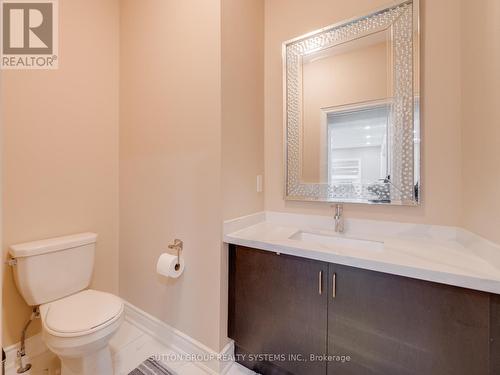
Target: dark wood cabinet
pixel 396 325
pixel 278 307
pixel 355 321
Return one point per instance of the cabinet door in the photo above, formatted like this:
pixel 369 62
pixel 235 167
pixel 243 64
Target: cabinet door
pixel 395 325
pixel 278 307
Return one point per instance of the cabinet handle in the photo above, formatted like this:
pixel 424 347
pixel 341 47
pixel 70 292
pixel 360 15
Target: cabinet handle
pixel 334 285
pixel 320 282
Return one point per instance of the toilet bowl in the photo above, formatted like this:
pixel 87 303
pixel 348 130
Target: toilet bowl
pixel 78 329
pixel 77 323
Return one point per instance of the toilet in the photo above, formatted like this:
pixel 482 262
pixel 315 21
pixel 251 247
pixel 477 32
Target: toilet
pixel 77 322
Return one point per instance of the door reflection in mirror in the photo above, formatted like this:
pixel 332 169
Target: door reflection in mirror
pixel 357 144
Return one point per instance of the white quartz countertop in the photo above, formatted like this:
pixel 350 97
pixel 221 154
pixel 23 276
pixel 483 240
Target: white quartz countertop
pixel 445 255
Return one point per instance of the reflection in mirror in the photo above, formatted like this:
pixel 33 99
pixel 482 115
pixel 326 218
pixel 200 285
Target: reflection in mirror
pixel 352 110
pixel 338 87
pixel 357 145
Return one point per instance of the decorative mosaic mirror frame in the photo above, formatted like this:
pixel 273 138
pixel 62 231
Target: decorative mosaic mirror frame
pixel 402 19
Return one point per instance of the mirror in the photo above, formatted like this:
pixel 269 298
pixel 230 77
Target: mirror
pixel 352 110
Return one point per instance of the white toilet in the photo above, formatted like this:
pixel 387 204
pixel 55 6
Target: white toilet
pixel 77 323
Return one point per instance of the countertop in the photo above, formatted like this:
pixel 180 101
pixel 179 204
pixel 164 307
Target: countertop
pixel 445 255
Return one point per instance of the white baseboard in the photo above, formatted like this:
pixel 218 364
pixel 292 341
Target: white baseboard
pixel 213 362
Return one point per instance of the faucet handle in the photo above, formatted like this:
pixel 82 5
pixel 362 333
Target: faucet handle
pixel 339 219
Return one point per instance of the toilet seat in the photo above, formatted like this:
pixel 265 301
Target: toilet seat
pixel 81 314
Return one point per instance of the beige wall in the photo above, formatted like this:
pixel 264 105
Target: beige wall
pixel 170 160
pixel 61 161
pixel 242 106
pixel 60 148
pixel 481 116
pixel 337 80
pixel 191 137
pixel 441 177
pixel 242 74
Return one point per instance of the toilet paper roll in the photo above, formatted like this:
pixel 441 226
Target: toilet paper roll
pixel 167 265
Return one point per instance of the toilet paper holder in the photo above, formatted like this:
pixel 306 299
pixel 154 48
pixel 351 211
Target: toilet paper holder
pixel 177 246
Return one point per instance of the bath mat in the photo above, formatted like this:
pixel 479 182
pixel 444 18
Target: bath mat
pixel 151 367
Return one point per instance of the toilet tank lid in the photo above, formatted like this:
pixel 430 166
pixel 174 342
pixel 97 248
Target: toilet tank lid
pixel 49 245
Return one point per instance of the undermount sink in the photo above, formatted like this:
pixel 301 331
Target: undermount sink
pixel 337 241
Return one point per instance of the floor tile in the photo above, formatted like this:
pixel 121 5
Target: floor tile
pixel 124 336
pixel 46 363
pixel 191 369
pixel 130 356
pixel 130 347
pixel 237 369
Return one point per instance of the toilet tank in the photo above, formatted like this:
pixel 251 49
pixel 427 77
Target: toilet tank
pixel 54 268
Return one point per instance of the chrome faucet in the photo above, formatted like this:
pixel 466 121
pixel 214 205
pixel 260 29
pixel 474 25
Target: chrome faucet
pixel 339 219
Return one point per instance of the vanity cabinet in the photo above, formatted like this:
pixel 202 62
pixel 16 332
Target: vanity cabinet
pixel 278 306
pixel 396 325
pixel 354 321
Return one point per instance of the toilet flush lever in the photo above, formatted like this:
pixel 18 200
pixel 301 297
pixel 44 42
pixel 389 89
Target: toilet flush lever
pixel 177 246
